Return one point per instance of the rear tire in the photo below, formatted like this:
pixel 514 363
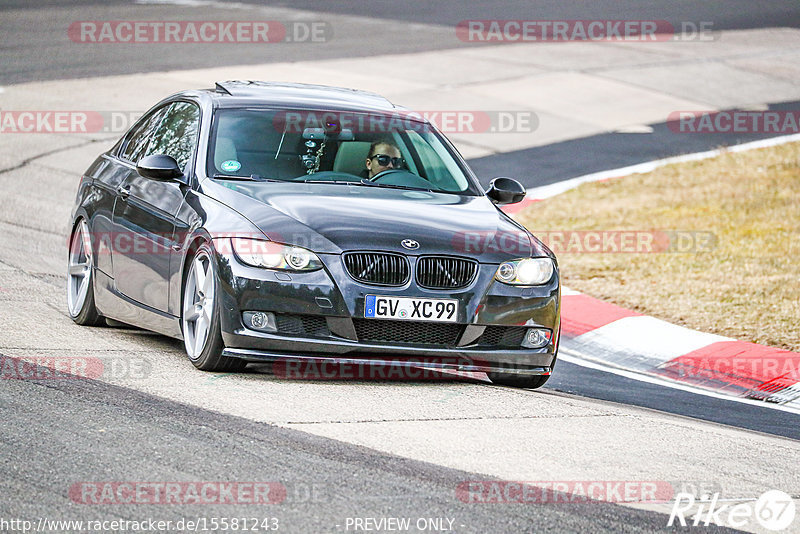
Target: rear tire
pixel 519 381
pixel 80 282
pixel 200 315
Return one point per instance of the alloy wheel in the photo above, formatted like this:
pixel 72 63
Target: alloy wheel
pixel 198 305
pixel 80 269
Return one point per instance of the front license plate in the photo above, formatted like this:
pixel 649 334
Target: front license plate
pixel 411 309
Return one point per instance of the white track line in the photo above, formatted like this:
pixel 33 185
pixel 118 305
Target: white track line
pixel 547 191
pixel 551 190
pixel 575 358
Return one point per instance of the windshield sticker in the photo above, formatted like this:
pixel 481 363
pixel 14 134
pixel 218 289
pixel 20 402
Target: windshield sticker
pixel 230 165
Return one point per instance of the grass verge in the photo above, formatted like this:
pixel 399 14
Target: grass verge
pixel 743 282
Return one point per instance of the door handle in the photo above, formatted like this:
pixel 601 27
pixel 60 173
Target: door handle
pixel 124 191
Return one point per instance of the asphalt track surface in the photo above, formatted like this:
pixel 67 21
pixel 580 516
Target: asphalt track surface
pixel 587 382
pixel 86 431
pixel 725 14
pixel 35 45
pixel 556 162
pixel 53 431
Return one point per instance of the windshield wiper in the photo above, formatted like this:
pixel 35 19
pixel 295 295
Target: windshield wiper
pixel 251 178
pixel 328 182
pixel 397 186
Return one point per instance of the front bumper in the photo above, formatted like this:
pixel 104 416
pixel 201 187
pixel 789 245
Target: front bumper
pixel 410 362
pixel 330 294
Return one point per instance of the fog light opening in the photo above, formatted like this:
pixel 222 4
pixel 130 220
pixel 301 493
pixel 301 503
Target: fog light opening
pixel 261 321
pixel 536 338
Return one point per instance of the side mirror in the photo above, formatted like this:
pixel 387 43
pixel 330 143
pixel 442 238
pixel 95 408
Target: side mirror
pixel 505 191
pixel 159 167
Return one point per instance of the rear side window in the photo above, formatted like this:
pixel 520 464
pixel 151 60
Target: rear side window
pixel 176 136
pixel 139 138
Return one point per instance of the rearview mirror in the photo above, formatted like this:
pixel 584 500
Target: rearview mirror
pixel 505 191
pixel 329 134
pixel 159 167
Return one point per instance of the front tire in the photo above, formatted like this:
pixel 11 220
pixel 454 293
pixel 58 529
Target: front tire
pixel 80 282
pixel 200 315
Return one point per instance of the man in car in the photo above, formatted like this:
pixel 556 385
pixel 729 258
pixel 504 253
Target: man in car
pixel 382 156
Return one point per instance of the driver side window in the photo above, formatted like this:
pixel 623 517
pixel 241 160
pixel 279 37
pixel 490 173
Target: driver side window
pixel 140 137
pixel 176 136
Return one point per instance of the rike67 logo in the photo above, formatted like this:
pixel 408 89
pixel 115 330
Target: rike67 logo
pixel 774 510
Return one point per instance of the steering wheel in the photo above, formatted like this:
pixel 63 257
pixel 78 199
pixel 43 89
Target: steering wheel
pixel 385 173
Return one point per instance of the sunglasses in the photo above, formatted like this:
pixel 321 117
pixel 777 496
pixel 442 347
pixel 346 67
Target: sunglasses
pixel 384 160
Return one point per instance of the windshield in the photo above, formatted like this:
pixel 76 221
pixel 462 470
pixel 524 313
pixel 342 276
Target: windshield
pixel 381 150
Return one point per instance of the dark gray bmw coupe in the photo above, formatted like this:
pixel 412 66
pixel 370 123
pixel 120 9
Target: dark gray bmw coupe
pixel 287 222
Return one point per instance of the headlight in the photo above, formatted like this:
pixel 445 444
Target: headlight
pixel 271 255
pixel 525 272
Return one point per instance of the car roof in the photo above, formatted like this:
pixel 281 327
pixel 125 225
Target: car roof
pixel 239 93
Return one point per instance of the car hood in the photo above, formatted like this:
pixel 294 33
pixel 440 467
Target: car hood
pixel 335 218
